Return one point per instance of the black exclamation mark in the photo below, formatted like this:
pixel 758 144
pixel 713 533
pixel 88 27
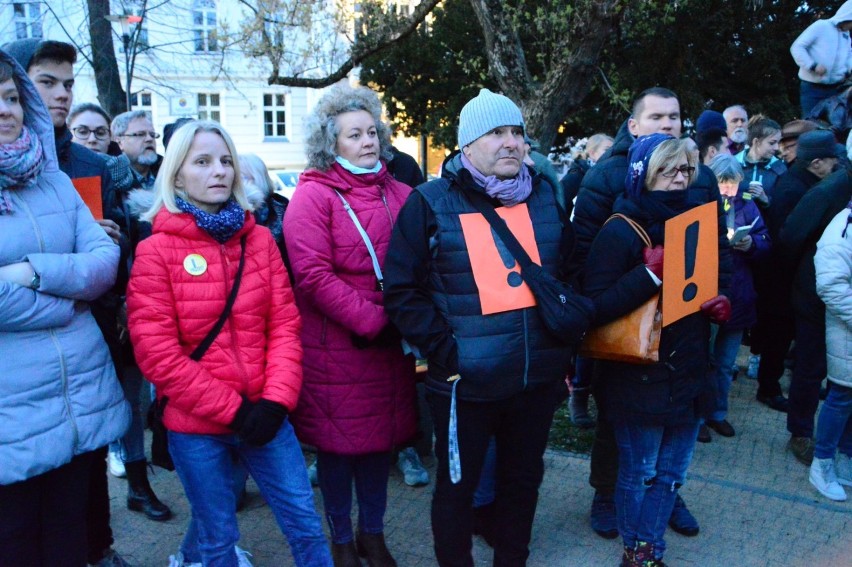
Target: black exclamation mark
pixel 690 254
pixel 514 279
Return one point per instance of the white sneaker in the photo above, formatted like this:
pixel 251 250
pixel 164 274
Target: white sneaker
pixel 824 479
pixel 116 465
pixel 753 366
pixel 412 469
pixel 242 557
pixel 312 474
pixel 843 469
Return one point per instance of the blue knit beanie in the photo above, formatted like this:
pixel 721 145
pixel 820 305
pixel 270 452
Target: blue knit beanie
pixel 710 119
pixel 485 112
pixel 638 157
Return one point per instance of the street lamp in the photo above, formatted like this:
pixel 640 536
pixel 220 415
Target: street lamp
pixel 125 20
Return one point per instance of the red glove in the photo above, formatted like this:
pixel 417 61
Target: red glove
pixel 717 309
pixel 653 258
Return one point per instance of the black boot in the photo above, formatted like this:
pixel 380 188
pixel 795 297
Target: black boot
pixel 372 546
pixel 140 496
pixel 344 555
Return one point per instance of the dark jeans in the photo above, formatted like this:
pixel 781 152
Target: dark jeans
pixel 808 374
pixel 603 467
pixel 520 426
pixel 43 518
pixel 335 474
pixel 771 339
pixel 811 94
pixel 97 514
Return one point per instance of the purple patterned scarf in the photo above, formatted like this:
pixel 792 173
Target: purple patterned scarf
pixel 510 192
pixel 20 163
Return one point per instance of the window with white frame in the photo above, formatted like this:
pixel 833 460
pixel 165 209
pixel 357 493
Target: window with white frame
pixel 204 25
pixel 141 101
pixel 208 107
pixel 274 28
pixel 275 115
pixel 27 16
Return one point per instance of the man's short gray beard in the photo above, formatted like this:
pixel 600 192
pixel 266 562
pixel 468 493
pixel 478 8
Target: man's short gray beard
pixel 739 136
pixel 147 159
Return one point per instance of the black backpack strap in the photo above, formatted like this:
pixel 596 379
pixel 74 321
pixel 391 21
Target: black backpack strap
pixel 232 297
pixel 499 225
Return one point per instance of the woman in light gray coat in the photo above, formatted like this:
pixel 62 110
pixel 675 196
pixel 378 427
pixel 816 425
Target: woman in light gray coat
pixel 59 397
pixel 833 262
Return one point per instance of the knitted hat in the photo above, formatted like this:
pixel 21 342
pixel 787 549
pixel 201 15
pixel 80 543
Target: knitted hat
pixel 485 112
pixel 796 128
pixel 638 157
pixel 814 145
pixel 710 119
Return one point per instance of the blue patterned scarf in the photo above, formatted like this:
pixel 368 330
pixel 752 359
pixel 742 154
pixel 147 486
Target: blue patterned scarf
pixel 221 226
pixel 21 162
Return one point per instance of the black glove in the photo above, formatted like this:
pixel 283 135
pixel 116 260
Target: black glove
pixel 389 336
pixel 240 417
pixel 262 423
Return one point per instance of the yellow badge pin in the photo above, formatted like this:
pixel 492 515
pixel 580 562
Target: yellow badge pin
pixel 195 264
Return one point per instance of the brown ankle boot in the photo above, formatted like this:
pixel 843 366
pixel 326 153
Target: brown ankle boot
pixel 372 546
pixel 344 555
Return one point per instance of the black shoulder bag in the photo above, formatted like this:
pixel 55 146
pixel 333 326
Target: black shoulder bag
pixel 565 313
pixel 160 441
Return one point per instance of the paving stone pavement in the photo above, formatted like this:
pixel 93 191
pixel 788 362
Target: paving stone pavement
pixel 751 497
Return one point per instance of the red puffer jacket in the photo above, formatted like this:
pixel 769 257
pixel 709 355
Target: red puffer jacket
pixel 170 311
pixel 355 400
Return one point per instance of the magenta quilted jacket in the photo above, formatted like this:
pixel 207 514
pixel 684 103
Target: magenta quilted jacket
pixel 354 401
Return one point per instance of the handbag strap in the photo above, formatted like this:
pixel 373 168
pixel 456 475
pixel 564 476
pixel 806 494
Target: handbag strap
pixel 499 225
pixel 376 267
pixel 635 226
pixel 232 297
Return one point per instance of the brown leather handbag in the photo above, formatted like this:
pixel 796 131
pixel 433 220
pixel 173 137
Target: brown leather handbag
pixel 633 338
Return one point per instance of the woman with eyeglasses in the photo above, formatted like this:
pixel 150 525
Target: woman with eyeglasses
pixel 654 408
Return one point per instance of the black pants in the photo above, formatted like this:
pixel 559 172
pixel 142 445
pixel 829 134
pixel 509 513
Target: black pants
pixel 43 519
pixel 807 377
pixel 520 426
pixel 97 513
pixel 771 339
pixel 603 466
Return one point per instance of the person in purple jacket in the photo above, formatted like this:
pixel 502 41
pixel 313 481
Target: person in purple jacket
pixel 748 245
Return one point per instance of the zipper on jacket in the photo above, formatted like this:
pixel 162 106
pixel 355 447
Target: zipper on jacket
pixel 526 350
pixel 232 330
pixel 322 332
pixel 64 369
pixel 385 203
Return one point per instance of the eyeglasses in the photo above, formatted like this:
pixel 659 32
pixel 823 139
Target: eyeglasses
pixel 686 170
pixel 141 134
pixel 83 132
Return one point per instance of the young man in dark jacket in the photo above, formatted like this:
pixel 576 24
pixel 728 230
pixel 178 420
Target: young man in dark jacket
pixel 494 370
pixel 654 110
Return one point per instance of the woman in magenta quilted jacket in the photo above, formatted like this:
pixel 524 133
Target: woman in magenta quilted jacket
pixel 235 395
pixel 357 399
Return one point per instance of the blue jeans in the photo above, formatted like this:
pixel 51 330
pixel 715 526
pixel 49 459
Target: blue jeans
pixel 725 349
pixel 189 546
pixel 834 426
pixel 131 447
pixel 204 464
pixel 652 463
pixel 486 490
pixel 335 474
pixel 811 94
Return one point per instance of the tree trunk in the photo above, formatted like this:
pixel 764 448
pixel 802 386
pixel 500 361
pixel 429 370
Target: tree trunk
pixel 107 77
pixel 568 80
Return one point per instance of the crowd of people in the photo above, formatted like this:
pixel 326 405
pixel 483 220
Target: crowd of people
pixel 259 326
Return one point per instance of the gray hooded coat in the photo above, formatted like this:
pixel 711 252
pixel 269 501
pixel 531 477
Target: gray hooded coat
pixel 59 396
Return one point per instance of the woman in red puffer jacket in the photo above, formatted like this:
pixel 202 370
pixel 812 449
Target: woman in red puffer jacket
pixel 358 396
pixel 235 396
